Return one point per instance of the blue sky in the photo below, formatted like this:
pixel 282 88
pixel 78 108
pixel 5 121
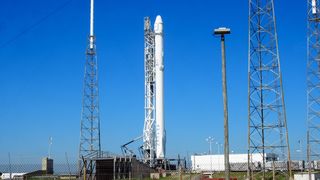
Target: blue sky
pixel 41 73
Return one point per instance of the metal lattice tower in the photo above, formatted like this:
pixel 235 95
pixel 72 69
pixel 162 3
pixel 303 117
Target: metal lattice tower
pixel 313 81
pixel 149 122
pixel 267 126
pixel 90 119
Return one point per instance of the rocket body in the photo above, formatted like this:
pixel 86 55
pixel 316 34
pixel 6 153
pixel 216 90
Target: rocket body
pixel 159 68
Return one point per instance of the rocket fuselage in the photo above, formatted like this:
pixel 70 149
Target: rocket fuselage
pixel 159 66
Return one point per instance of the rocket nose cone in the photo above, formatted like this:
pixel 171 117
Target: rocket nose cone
pixel 158 27
pixel 158 20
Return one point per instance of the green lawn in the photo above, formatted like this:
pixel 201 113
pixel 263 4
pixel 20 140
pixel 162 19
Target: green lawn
pixel 188 176
pixel 238 175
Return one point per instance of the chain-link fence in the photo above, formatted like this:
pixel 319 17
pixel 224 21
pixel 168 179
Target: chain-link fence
pixel 25 167
pixel 216 166
pixel 31 167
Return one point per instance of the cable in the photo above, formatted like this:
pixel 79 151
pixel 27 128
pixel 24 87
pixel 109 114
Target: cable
pixel 32 26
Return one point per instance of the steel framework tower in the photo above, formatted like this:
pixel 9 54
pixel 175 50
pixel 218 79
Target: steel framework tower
pixel 267 126
pixel 313 81
pixel 149 69
pixel 90 119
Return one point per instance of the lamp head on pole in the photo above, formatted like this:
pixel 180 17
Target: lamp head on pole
pixel 221 31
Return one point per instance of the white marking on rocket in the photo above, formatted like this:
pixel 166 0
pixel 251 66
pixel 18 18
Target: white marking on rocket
pixel 160 130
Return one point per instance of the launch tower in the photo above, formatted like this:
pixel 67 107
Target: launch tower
pixel 267 125
pixel 154 138
pixel 149 70
pixel 313 80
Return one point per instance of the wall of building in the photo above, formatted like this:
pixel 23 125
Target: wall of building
pixel 238 162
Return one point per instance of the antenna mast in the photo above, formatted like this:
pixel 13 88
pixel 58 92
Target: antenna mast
pixel 90 146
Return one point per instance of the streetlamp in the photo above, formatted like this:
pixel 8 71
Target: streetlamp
pixel 49 149
pixel 210 141
pixel 221 32
pixel 300 148
pixel 300 152
pixel 219 145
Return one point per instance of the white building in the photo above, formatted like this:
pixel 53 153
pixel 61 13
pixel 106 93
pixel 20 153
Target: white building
pixel 305 176
pixel 201 163
pixel 8 176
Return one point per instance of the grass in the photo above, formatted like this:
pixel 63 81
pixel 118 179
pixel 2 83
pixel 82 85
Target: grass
pixel 238 175
pixel 188 176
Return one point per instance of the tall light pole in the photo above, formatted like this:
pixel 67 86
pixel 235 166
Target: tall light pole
pixel 300 152
pixel 210 141
pixel 49 149
pixel 300 149
pixel 217 143
pixel 221 32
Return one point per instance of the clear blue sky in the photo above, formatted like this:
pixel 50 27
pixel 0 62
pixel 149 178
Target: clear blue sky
pixel 41 72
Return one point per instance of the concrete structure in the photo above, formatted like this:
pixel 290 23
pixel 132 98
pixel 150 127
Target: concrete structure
pixel 47 165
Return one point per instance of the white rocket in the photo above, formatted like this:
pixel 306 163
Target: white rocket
pixel 160 130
